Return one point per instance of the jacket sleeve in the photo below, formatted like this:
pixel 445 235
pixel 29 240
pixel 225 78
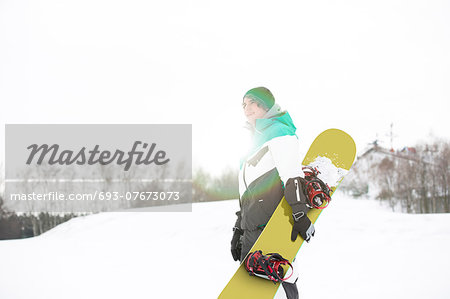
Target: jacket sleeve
pixel 286 155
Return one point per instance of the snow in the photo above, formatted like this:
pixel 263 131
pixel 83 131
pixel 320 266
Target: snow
pixel 361 250
pixel 329 173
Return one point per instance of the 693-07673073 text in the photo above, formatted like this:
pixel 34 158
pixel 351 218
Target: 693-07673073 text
pixel 98 195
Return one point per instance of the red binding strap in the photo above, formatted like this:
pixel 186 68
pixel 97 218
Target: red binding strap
pixel 318 193
pixel 267 266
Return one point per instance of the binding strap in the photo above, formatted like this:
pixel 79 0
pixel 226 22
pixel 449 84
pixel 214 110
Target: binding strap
pixel 317 192
pixel 267 266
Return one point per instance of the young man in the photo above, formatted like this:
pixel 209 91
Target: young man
pixel 271 169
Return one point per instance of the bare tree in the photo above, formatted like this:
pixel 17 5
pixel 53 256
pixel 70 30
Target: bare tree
pixel 417 181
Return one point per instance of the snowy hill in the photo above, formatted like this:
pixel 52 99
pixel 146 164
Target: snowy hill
pixel 360 250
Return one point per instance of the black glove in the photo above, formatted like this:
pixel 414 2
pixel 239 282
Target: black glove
pixel 302 225
pixel 236 244
pixel 294 193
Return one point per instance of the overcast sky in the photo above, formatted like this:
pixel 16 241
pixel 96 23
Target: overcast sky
pixel 354 65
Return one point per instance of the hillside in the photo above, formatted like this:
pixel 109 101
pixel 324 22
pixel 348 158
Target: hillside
pixel 361 250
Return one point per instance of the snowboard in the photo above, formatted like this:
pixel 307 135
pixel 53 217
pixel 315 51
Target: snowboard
pixel 332 153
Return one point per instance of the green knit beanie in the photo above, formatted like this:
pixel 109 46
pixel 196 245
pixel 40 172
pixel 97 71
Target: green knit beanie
pixel 262 95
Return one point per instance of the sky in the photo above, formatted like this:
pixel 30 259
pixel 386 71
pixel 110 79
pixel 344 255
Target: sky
pixel 359 66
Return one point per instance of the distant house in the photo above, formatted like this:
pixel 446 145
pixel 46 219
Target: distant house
pixel 365 171
pixel 408 153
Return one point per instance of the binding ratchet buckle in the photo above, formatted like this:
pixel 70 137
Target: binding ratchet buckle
pixel 318 193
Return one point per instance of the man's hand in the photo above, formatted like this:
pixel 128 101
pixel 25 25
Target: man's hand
pixel 236 245
pixel 302 226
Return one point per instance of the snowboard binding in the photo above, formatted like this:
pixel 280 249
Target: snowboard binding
pixel 267 266
pixel 318 193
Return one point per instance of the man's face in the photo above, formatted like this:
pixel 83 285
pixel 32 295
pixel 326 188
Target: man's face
pixel 252 110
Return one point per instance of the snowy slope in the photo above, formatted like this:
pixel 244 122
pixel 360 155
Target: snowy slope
pixel 360 250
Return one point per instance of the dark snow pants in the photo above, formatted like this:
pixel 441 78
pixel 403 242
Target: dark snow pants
pixel 248 239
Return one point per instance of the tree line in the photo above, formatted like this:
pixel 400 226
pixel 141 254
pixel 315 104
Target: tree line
pixel 25 225
pixel 205 187
pixel 416 181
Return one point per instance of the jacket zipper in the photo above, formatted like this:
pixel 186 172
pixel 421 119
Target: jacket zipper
pixel 243 176
pixel 297 191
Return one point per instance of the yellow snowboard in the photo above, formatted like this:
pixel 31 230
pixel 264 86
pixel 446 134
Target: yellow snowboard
pixel 334 146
